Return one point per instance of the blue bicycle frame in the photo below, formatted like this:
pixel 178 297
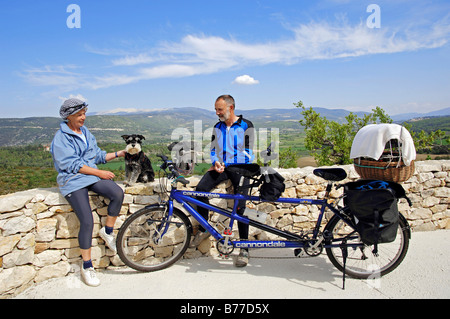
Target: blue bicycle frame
pixel 186 198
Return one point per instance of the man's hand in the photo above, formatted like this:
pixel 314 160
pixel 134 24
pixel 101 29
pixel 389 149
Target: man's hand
pixel 219 167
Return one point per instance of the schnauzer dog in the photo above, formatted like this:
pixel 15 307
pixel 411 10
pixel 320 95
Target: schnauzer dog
pixel 138 168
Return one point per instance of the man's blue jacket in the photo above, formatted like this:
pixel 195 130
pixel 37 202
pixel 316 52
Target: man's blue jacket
pixel 233 145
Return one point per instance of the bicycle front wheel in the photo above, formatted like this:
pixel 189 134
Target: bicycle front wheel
pixel 361 262
pixel 148 240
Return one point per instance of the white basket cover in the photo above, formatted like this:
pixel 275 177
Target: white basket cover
pixel 370 141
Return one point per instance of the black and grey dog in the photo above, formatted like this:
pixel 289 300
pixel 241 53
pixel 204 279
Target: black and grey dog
pixel 138 168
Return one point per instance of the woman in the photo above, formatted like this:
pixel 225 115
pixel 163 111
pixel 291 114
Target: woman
pixel 75 155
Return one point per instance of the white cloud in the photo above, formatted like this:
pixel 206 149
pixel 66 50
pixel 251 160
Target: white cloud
pixel 245 80
pixel 133 60
pixel 199 54
pixel 52 76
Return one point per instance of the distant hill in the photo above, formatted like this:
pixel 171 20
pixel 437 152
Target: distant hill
pixel 408 116
pixel 156 125
pixel 429 124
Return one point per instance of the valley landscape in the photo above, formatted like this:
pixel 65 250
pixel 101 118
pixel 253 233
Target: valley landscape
pixel 25 161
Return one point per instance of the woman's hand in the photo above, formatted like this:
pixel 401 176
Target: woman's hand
pixel 111 156
pixel 97 172
pixel 121 153
pixel 105 174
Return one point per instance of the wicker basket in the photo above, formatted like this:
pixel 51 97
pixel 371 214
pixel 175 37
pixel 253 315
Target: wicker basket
pixel 385 171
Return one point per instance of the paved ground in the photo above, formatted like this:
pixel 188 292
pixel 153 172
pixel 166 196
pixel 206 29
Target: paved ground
pixel 424 274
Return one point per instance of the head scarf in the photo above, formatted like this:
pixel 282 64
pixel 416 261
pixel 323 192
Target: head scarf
pixel 71 106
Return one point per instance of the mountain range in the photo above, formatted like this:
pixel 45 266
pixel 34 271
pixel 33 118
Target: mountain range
pixel 158 125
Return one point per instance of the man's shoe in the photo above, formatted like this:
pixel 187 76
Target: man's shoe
pixel 89 276
pixel 198 238
pixel 242 259
pixel 110 240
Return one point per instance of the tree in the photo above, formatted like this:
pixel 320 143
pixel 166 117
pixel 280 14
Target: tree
pixel 427 142
pixel 287 158
pixel 440 135
pixel 330 142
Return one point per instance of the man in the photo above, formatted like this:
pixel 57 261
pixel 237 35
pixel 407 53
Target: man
pixel 231 143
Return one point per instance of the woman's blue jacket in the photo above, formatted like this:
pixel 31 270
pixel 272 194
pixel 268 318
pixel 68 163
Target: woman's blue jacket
pixel 70 153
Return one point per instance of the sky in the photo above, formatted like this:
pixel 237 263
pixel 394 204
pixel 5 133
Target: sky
pixel 152 54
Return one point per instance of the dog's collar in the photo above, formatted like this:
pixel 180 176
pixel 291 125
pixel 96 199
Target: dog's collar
pixel 131 156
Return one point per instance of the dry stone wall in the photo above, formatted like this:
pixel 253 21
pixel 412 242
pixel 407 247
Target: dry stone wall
pixel 38 229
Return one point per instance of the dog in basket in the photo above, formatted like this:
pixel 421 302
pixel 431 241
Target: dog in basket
pixel 138 168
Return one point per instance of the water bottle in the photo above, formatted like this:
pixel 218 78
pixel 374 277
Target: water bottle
pixel 255 215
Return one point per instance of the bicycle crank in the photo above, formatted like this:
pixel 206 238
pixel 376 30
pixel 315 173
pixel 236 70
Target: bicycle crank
pixel 225 247
pixel 314 248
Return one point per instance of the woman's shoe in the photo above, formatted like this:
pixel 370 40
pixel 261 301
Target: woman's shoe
pixel 110 240
pixel 89 276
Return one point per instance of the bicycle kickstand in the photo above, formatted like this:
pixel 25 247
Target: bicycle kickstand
pixel 344 250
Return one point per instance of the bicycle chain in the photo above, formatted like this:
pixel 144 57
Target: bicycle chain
pixel 292 257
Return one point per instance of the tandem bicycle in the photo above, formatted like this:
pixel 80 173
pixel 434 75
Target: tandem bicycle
pixel 155 237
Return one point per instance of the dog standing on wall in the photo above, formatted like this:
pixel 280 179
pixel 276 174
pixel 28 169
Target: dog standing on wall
pixel 138 168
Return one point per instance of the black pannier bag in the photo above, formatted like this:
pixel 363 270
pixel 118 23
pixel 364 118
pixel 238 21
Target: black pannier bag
pixel 272 190
pixel 374 206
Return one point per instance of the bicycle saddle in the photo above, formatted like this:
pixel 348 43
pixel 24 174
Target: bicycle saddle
pixel 331 174
pixel 246 170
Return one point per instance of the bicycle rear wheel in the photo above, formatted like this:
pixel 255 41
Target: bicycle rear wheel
pixel 361 262
pixel 149 241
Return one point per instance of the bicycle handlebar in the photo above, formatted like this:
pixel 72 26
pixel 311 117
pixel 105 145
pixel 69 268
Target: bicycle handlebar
pixel 171 167
pixel 268 154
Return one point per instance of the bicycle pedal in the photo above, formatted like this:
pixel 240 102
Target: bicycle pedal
pixel 224 256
